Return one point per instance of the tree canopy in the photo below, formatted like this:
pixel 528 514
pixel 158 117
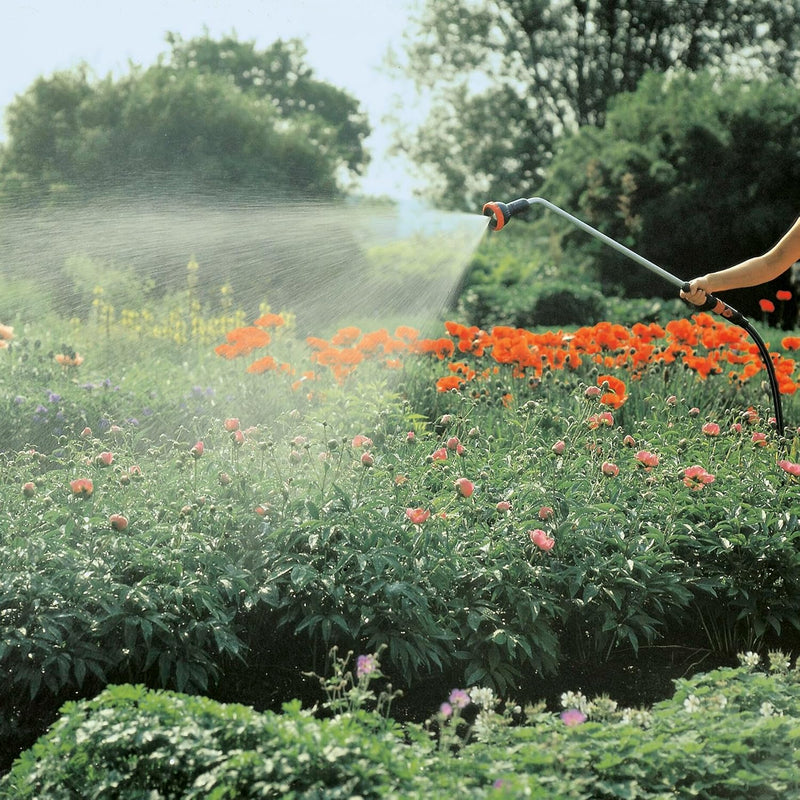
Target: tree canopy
pixel 209 114
pixel 696 173
pixel 506 78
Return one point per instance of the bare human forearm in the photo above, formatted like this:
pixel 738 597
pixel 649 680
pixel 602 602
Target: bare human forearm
pixel 753 271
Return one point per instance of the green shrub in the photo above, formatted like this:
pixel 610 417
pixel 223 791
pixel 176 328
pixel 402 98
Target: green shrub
pixel 532 304
pixel 731 733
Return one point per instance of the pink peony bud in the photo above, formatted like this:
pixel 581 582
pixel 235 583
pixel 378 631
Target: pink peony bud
pixel 465 487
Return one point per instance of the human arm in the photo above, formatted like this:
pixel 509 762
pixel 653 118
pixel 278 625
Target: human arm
pixel 753 271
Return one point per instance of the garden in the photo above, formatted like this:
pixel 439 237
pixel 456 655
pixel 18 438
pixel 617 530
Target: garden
pixel 395 560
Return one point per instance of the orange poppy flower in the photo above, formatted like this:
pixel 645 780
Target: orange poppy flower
pixel 615 396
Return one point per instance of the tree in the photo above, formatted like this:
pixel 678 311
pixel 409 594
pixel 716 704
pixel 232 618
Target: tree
pixel 506 78
pixel 693 172
pixel 212 115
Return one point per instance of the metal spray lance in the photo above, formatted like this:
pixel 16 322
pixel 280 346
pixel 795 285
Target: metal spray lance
pixel 500 213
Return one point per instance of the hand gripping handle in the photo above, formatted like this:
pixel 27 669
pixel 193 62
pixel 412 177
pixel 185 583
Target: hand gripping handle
pixel 717 306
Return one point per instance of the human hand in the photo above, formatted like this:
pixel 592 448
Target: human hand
pixel 697 291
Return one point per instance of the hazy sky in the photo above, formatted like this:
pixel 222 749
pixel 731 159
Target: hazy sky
pixel 346 43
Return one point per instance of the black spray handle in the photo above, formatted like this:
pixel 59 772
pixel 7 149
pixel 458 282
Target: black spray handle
pixel 717 306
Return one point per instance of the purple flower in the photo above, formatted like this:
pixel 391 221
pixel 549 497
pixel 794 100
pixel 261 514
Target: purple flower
pixel 459 698
pixel 572 717
pixel 446 710
pixel 366 665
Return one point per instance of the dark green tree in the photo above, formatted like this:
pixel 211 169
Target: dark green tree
pixel 211 115
pixel 506 78
pixel 693 172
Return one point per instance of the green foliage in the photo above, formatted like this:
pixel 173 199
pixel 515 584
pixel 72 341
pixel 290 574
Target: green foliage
pixel 534 304
pixel 214 115
pixel 728 733
pixel 711 158
pixel 507 78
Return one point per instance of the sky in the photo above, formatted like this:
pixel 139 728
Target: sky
pixel 346 43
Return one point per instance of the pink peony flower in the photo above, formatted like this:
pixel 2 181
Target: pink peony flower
pixel 695 477
pixel 593 391
pixel 609 469
pixel 604 419
pixel 440 454
pixel 759 439
pixel 647 459
pixel 711 429
pixel 465 487
pixel 791 467
pixel 231 424
pixel 82 487
pixel 559 447
pixel 542 540
pixel 417 515
pixel 197 450
pixel 546 512
pixel 105 459
pixel 452 443
pixel 118 522
pixel 359 440
pixel 503 505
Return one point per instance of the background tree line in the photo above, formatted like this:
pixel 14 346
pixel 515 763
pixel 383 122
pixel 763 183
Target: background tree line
pixel 672 126
pixel 209 115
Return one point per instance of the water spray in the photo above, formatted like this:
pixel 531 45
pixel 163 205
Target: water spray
pixel 500 213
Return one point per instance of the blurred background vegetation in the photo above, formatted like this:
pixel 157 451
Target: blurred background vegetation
pixel 672 127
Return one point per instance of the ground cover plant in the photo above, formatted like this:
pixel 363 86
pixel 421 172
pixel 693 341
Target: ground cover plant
pixel 496 509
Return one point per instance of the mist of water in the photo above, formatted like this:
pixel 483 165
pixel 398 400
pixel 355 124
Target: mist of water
pixel 330 264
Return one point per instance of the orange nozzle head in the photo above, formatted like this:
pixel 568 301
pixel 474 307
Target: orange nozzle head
pixel 500 213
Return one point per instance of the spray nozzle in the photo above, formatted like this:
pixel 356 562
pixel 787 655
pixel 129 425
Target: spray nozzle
pixel 501 213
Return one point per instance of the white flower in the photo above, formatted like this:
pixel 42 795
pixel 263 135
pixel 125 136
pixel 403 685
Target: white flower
pixel 778 661
pixel 483 696
pixel 749 659
pixel 767 709
pixel 576 700
pixel 484 725
pixel 691 704
pixel 720 700
pixel 636 716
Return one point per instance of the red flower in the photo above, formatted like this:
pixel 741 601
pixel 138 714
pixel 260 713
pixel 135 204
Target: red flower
pixel 82 487
pixel 767 306
pixel 118 522
pixel 197 450
pixel 367 459
pixel 417 515
pixel 783 294
pixel 542 540
pixel 646 459
pixel 231 424
pixel 609 469
pixel 465 487
pixel 695 477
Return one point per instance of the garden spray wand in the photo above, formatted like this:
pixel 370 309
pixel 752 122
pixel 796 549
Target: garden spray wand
pixel 501 213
